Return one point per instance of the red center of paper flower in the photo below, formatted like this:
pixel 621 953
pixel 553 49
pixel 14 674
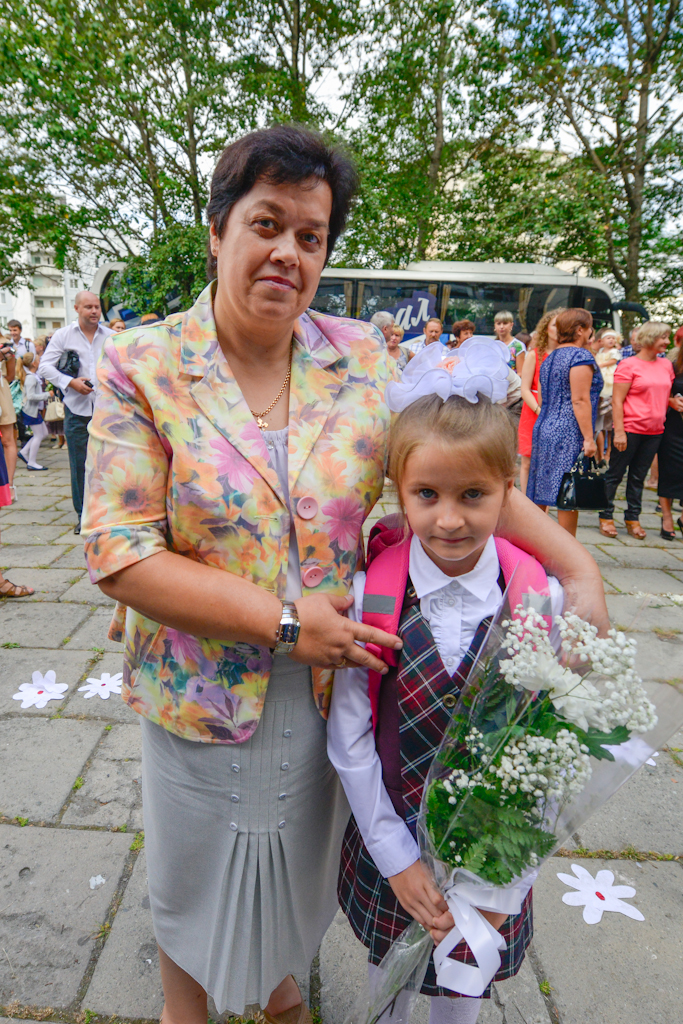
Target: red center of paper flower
pixel 40 691
pixel 599 895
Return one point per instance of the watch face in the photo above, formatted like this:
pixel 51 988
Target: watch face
pixel 289 633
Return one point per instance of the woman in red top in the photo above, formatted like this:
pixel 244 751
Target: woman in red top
pixel 642 387
pixel 545 340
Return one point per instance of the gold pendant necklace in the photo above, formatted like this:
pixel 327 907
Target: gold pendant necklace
pixel 260 422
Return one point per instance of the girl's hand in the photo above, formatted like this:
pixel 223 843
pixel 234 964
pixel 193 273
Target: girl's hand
pixel 443 924
pixel 590 448
pixel 327 637
pixel 419 897
pixel 620 440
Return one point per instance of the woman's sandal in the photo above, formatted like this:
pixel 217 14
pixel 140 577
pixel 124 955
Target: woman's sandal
pixel 8 589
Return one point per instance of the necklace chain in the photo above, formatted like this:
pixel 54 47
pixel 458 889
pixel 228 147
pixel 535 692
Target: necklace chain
pixel 260 422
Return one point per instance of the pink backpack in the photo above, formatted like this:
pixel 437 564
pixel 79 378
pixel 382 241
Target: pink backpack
pixel 387 578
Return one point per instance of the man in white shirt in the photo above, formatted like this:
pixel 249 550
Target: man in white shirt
pixel 21 345
pixel 85 337
pixel 433 329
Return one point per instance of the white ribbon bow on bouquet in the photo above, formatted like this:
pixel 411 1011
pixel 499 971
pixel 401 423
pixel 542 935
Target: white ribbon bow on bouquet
pixel 465 902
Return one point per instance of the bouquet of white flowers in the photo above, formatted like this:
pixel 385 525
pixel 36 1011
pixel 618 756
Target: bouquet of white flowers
pixel 543 734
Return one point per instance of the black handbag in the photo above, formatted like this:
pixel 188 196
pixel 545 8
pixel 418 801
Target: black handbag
pixel 583 487
pixel 69 363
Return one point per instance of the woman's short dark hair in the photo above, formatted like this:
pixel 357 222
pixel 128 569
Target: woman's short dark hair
pixel 286 154
pixel 567 323
pixel 462 325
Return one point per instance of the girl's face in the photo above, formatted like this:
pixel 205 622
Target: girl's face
pixel 608 340
pixel 452 502
pixel 503 330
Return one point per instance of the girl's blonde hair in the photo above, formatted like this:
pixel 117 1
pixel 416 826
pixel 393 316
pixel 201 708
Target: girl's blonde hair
pixel 542 339
pixel 25 363
pixel 485 427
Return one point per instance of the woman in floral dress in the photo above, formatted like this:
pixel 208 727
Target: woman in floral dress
pixel 235 452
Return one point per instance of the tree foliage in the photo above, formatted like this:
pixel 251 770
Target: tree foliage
pixel 484 129
pixel 608 74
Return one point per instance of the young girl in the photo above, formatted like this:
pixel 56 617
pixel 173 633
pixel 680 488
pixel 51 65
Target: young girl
pixel 34 401
pixel 453 464
pixel 607 358
pixel 545 342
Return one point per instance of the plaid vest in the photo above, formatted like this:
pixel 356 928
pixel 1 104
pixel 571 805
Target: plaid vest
pixel 416 702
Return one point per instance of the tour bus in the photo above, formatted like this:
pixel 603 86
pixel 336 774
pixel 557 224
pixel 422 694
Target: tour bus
pixel 465 291
pixel 448 290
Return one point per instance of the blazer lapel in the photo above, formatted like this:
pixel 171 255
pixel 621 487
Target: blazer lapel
pixel 313 389
pixel 312 394
pixel 217 393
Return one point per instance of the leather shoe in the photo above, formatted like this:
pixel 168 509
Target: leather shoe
pixel 607 528
pixel 634 529
pixel 77 528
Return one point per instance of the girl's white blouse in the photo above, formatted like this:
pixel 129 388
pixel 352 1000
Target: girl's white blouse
pixel 453 607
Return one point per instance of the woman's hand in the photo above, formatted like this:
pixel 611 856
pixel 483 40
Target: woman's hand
pixel 563 556
pixel 419 897
pixel 589 448
pixel 620 440
pixel 327 637
pixel 676 402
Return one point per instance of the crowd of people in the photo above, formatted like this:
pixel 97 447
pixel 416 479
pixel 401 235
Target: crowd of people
pixel 47 388
pixel 233 455
pixel 582 392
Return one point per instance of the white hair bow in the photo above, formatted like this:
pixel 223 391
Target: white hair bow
pixel 478 367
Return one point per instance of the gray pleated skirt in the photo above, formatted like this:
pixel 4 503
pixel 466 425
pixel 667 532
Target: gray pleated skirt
pixel 243 844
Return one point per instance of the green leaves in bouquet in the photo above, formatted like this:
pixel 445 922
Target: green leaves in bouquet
pixel 597 741
pixel 496 843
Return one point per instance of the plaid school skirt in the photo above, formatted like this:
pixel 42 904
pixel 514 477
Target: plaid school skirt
pixel 377 918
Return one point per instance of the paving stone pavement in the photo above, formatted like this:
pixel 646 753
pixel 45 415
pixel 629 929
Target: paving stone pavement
pixel 71 810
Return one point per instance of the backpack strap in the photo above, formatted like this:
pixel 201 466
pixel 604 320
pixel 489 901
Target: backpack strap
pixel 525 578
pixel 385 586
pixel 387 577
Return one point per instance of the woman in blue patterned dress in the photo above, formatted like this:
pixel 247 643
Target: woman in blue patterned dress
pixel 569 388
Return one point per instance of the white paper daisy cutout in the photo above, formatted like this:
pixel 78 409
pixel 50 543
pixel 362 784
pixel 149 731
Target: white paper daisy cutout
pixel 596 895
pixel 102 687
pixel 651 760
pixel 41 690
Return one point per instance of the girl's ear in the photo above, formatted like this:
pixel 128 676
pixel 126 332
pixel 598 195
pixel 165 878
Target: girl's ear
pixel 509 487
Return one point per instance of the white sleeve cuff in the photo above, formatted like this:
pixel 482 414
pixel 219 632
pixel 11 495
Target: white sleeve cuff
pixel 395 852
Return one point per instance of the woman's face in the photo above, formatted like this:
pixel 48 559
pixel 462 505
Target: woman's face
pixel 552 331
pixel 661 344
pixel 394 340
pixel 118 326
pixel 271 254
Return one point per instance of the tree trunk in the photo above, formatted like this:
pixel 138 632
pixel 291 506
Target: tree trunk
pixel 424 223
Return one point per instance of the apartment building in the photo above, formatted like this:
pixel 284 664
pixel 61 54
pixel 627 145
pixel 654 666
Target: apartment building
pixel 48 303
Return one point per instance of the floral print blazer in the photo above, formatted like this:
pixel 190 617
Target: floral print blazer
pixel 176 462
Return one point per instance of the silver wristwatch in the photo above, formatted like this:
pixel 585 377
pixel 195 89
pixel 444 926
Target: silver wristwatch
pixel 288 630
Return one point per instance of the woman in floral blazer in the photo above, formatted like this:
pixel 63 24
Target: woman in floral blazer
pixel 235 452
